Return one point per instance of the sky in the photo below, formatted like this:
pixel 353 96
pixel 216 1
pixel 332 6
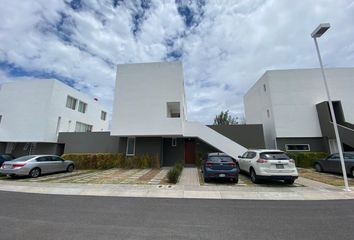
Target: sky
pixel 225 45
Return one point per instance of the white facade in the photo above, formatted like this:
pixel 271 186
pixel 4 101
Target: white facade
pixel 35 111
pixel 284 101
pixel 145 96
pixel 150 101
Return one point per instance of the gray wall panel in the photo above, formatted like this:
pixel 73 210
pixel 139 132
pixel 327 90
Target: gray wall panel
pixel 316 144
pixel 89 142
pixel 171 154
pixel 249 136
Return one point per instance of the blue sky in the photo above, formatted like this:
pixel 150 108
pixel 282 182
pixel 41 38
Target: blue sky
pixel 225 46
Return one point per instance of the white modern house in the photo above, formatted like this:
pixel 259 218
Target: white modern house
pixel 149 112
pixel 33 112
pixel 292 106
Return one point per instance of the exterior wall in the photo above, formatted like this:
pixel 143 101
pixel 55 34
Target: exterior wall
pixel 23 148
pixel 249 136
pixel 141 95
pixel 89 142
pixel 30 111
pixel 257 103
pixel 316 144
pixel 173 154
pixel 293 97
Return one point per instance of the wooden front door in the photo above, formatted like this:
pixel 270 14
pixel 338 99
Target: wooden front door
pixel 189 151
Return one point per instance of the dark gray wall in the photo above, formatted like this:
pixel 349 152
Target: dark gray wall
pixel 316 144
pixel 89 142
pixel 249 136
pixel 2 147
pixel 171 154
pixel 148 145
pixel 40 148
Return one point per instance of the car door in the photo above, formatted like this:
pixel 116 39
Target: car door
pixel 249 160
pixel 58 164
pixel 333 163
pixel 242 161
pixel 44 163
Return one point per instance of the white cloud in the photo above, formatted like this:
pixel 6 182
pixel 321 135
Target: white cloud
pixel 225 48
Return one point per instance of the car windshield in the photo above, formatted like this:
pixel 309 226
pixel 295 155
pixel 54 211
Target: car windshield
pixel 219 158
pixel 23 158
pixel 274 156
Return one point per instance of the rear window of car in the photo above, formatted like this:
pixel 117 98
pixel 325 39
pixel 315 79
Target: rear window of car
pixel 219 158
pixel 274 156
pixel 23 158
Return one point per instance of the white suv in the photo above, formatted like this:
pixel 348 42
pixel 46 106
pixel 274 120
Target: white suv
pixel 268 164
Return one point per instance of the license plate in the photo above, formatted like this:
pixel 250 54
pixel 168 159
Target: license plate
pixel 279 166
pixel 222 175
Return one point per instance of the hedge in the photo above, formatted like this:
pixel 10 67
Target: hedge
pixel 306 159
pixel 174 173
pixel 108 160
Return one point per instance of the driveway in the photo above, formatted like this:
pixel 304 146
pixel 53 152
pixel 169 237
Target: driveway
pixel 111 176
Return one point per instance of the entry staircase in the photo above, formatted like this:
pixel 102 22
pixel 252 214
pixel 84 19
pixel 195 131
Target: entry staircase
pixel 215 139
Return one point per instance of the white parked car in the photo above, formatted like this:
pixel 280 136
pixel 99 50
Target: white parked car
pixel 268 164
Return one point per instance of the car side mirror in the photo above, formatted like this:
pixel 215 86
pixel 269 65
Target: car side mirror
pixel 239 156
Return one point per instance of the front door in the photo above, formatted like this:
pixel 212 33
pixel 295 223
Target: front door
pixel 189 151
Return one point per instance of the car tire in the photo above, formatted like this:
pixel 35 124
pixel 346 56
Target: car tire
pixel 254 177
pixel 35 172
pixel 289 181
pixel 238 168
pixel 318 167
pixel 235 180
pixel 70 168
pixel 352 172
pixel 206 180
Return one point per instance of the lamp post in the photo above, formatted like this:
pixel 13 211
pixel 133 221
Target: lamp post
pixel 321 29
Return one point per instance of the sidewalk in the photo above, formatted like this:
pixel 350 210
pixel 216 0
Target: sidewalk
pixel 258 192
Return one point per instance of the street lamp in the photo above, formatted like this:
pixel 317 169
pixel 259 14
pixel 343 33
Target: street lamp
pixel 321 29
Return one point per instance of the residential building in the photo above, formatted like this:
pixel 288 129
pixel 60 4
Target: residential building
pixel 149 117
pixel 293 109
pixel 33 112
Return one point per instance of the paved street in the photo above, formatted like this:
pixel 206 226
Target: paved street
pixel 38 216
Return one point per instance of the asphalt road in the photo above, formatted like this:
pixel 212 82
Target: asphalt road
pixel 37 216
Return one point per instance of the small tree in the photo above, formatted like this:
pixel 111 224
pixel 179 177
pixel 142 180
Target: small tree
pixel 225 119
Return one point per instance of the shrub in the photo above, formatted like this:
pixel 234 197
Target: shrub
pixel 174 173
pixel 108 160
pixel 306 159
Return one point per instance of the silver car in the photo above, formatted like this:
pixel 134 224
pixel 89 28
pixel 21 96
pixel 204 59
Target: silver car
pixel 35 165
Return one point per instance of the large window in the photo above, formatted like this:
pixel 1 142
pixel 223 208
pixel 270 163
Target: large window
pixel 173 110
pixel 82 107
pixel 82 127
pixel 130 146
pixel 71 102
pixel 297 147
pixel 103 115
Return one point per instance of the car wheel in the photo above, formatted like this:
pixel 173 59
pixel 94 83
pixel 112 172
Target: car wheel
pixel 289 181
pixel 206 179
pixel 35 172
pixel 318 167
pixel 235 180
pixel 254 177
pixel 70 168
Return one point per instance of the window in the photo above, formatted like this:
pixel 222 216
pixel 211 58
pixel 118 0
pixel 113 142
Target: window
pixel 82 127
pixel 58 125
pixel 297 147
pixel 103 115
pixel 130 146
pixel 173 110
pixel 264 87
pixel 0 118
pixel 334 157
pixel 71 102
pixel 349 156
pixel 174 142
pixel 251 155
pixel 82 107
